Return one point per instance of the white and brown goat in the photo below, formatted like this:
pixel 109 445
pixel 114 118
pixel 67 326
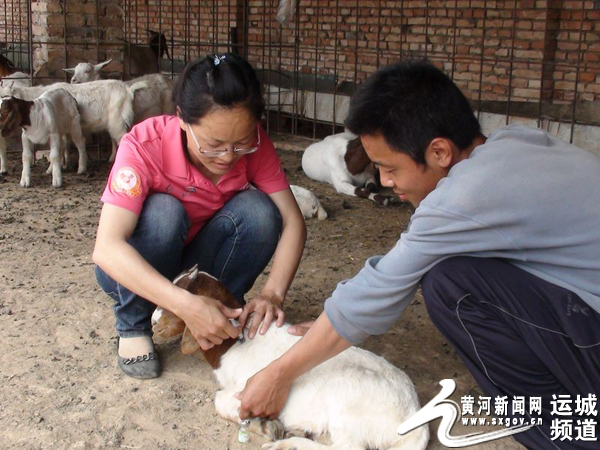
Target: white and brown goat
pixel 51 117
pixel 354 401
pixel 341 160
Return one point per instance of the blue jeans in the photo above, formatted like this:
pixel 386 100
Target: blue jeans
pixel 234 246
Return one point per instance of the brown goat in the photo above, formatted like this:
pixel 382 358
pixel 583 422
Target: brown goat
pixel 169 325
pixel 6 67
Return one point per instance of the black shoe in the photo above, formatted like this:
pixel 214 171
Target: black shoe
pixel 143 367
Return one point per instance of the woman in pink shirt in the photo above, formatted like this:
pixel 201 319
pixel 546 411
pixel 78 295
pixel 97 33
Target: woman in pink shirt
pixel 178 195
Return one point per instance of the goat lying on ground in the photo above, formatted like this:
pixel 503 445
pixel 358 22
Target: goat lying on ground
pixel 309 204
pixel 341 160
pixel 52 116
pixel 357 399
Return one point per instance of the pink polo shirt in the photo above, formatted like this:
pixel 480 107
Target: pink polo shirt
pixel 151 159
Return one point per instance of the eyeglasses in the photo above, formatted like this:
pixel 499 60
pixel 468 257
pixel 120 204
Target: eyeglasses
pixel 215 153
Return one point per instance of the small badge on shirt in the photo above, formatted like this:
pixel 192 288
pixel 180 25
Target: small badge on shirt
pixel 127 181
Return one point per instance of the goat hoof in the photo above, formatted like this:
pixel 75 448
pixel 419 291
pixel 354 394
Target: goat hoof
pixel 381 200
pixel 370 187
pixel 273 429
pixel 361 192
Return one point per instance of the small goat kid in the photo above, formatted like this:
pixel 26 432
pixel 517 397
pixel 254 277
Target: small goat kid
pixel 356 399
pixel 341 160
pixel 52 116
pixel 84 72
pixel 104 105
pixel 309 203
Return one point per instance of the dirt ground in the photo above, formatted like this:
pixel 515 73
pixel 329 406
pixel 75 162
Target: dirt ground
pixel 60 386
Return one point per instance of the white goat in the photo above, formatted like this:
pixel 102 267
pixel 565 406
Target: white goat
pixel 341 160
pixel 84 72
pixel 104 105
pixel 356 399
pixel 16 79
pixel 51 117
pixel 155 100
pixel 309 203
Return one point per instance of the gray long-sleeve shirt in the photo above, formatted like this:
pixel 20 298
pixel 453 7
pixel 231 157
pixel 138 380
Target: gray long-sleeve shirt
pixel 524 196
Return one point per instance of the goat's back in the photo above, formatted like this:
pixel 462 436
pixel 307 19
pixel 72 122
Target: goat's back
pixel 154 100
pixel 60 109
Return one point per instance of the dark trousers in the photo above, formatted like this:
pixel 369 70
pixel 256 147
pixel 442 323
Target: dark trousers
pixel 519 336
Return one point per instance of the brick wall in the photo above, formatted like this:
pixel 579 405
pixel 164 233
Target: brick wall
pixel 13 21
pixel 13 31
pixel 575 24
pixel 78 30
pixel 527 49
pixel 193 29
pixel 522 50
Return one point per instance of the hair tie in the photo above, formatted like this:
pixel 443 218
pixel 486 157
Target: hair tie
pixel 218 59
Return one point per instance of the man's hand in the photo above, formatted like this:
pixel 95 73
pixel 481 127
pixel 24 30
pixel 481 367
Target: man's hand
pixel 301 328
pixel 264 308
pixel 208 320
pixel 265 395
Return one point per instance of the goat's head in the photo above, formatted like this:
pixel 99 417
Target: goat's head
pixel 169 325
pixel 158 44
pixel 84 72
pixel 356 157
pixel 14 114
pixel 6 66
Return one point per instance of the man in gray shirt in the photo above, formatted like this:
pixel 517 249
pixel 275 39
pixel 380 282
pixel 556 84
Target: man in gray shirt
pixel 504 242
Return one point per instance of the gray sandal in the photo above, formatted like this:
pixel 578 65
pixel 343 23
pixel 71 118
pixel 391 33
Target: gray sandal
pixel 143 367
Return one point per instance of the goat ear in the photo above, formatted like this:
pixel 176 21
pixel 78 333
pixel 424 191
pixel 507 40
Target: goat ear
pixel 189 344
pixel 102 64
pixel 152 32
pixel 69 70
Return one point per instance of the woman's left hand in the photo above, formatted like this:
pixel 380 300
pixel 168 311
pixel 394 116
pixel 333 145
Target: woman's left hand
pixel 263 309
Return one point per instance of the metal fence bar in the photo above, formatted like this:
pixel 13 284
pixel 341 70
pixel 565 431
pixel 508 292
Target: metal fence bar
pixel 29 41
pixel 64 11
pixel 454 28
pixel 481 64
pixel 316 72
pixel 577 70
pixel 335 59
pixel 510 70
pixel 296 67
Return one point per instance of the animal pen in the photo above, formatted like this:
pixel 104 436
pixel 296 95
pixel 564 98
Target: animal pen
pixel 531 61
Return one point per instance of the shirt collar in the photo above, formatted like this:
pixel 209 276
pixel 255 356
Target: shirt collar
pixel 173 155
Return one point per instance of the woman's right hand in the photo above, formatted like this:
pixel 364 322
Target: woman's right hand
pixel 208 320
